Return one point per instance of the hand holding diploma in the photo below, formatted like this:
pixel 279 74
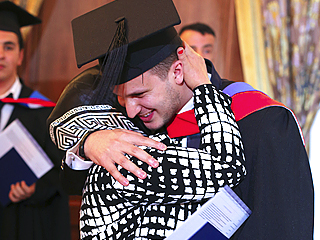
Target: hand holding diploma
pixel 21 191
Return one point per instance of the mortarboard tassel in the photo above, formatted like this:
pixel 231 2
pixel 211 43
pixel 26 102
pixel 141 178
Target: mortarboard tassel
pixel 112 66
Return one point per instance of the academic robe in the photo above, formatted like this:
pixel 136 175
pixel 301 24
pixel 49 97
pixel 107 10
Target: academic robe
pixel 278 188
pixel 45 215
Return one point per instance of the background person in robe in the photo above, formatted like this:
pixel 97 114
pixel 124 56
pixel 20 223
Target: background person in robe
pixel 201 39
pixel 39 211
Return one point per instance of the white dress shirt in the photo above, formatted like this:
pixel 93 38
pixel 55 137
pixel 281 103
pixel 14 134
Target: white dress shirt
pixel 8 108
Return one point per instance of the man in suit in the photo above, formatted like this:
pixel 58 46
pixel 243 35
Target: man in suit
pixel 39 211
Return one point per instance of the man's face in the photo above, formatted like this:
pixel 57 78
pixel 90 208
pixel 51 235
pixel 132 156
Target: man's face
pixel 10 56
pixel 154 100
pixel 201 44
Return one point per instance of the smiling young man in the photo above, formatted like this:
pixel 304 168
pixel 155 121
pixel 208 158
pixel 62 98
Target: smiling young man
pixel 38 211
pixel 155 98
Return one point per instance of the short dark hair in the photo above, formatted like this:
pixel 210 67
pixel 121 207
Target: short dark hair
pixel 198 27
pixel 162 68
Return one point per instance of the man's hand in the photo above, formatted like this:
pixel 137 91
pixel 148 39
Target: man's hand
pixel 107 147
pixel 21 191
pixel 194 67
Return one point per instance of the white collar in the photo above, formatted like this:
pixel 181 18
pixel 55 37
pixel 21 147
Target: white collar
pixel 15 89
pixel 188 106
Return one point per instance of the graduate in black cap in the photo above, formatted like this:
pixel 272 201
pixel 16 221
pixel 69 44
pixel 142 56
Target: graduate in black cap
pixel 133 68
pixel 39 211
pixel 127 56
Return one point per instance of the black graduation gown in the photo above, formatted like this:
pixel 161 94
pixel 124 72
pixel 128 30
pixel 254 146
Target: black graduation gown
pixel 278 187
pixel 45 215
pixel 75 94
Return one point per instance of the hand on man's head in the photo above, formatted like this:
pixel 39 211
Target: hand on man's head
pixel 194 67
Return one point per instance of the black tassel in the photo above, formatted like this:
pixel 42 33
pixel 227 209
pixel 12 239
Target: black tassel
pixel 112 67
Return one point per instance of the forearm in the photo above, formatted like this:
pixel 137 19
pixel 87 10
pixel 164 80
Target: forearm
pixel 183 175
pixel 220 135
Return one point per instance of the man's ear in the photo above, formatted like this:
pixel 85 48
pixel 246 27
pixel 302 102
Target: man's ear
pixel 177 70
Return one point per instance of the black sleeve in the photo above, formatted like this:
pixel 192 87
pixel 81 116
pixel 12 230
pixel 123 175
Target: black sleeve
pixel 76 93
pixel 73 180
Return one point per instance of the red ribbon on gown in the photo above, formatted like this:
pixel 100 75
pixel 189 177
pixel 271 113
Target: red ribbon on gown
pixel 184 124
pixel 243 104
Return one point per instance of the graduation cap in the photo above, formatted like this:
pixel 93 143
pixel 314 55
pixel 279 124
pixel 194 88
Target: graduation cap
pixel 132 35
pixel 13 17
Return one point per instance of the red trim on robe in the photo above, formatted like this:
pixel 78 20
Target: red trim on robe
pixel 245 103
pixel 184 124
pixel 40 102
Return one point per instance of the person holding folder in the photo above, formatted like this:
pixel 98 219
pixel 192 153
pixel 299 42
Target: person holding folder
pixel 39 211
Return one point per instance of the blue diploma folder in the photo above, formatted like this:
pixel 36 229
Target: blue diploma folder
pixel 13 169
